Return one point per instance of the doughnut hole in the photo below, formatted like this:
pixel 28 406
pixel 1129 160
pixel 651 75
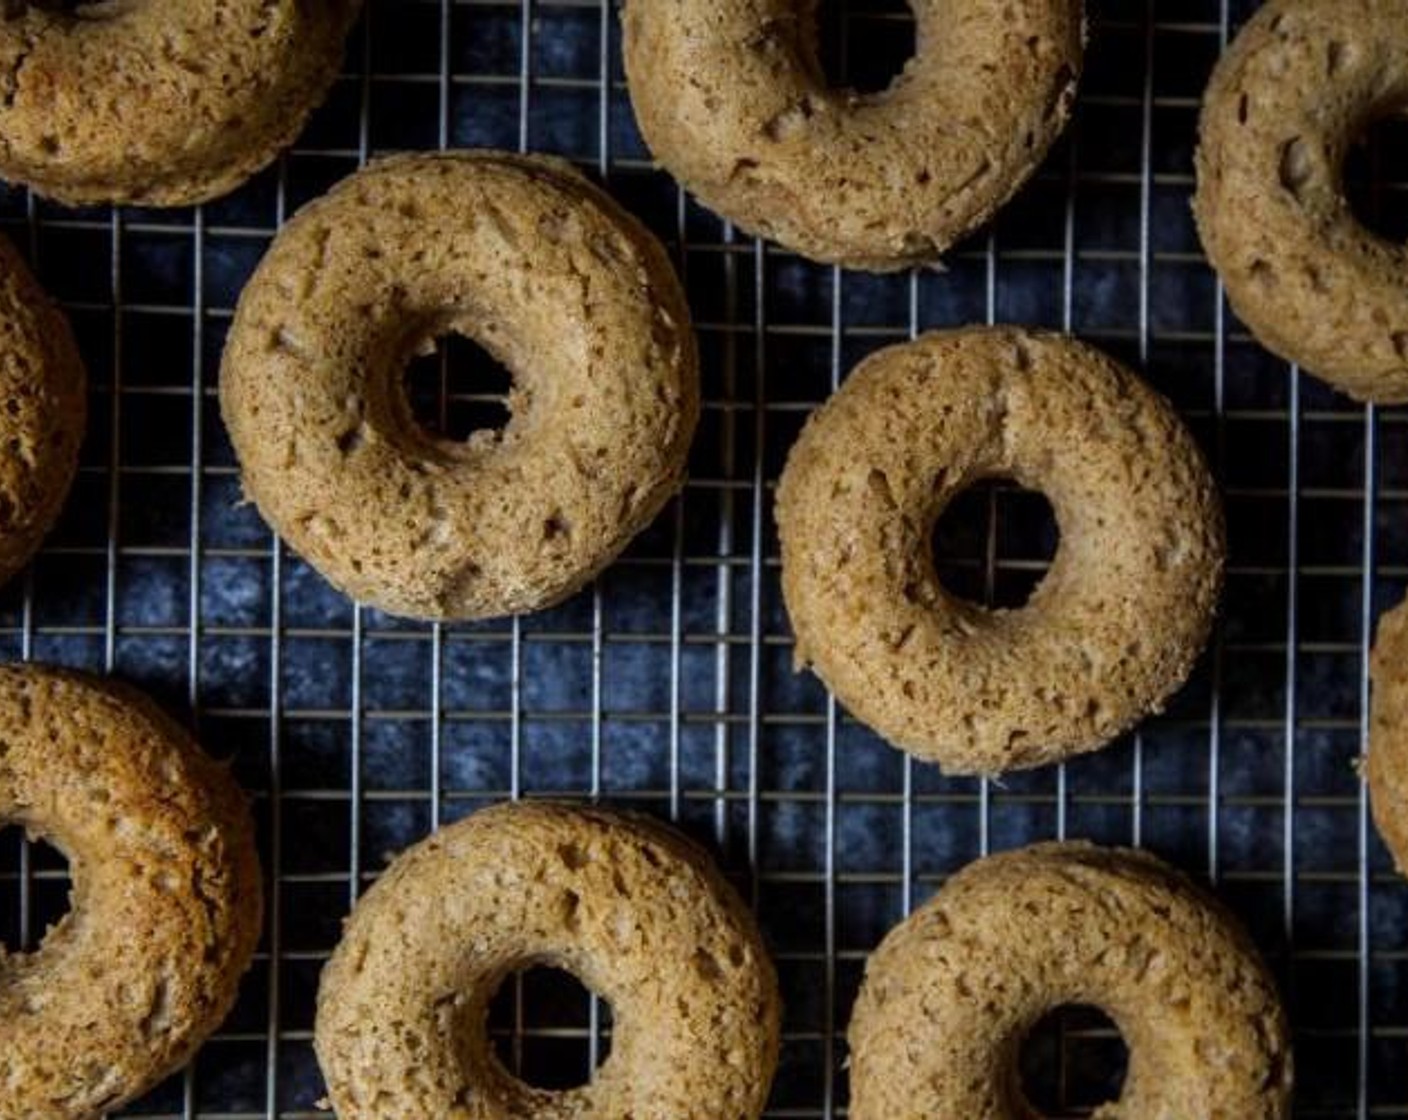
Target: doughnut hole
pixel 541 1027
pixel 994 542
pixel 1072 1062
pixel 1376 177
pixel 864 45
pixel 458 389
pixel 34 890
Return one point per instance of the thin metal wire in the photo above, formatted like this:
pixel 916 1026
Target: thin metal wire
pixel 1363 826
pixel 25 870
pixel 115 451
pixel 525 69
pixel 273 891
pixel 1288 792
pixel 723 617
pixel 828 1088
pixel 437 631
pixel 356 709
pixel 1146 150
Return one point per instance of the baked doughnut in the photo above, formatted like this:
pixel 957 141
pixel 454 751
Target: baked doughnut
pixel 165 904
pixel 731 99
pixel 1300 83
pixel 630 907
pixel 556 281
pixel 954 990
pixel 1113 628
pixel 159 102
pixel 42 411
pixel 1387 765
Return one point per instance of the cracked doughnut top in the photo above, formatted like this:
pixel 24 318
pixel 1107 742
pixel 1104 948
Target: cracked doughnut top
pixel 1118 620
pixel 638 913
pixel 952 992
pixel 731 99
pixel 42 411
pixel 1300 84
pixel 165 903
pixel 159 102
pixel 530 260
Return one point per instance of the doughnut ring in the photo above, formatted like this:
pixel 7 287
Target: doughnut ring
pixel 159 102
pixel 954 990
pixel 43 415
pixel 1300 83
pixel 554 279
pixel 1386 767
pixel 1112 629
pixel 731 99
pixel 635 911
pixel 165 904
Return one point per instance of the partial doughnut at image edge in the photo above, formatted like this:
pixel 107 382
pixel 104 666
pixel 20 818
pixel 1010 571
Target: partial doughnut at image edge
pixel 166 905
pixel 162 102
pixel 632 908
pixel 43 411
pixel 1386 767
pixel 1300 84
pixel 952 992
pixel 731 100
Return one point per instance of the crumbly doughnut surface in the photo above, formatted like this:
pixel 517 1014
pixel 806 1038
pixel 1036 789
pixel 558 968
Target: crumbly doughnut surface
pixel 1113 628
pixel 638 913
pixel 165 904
pixel 42 411
pixel 731 99
pixel 159 102
pixel 1387 764
pixel 526 257
pixel 1300 84
pixel 952 993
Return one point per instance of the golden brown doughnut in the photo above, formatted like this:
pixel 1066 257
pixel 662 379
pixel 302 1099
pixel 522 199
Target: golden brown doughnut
pixel 165 904
pixel 159 102
pixel 43 411
pixel 1121 615
pixel 557 281
pixel 629 906
pixel 1387 765
pixel 730 98
pixel 953 991
pixel 1301 82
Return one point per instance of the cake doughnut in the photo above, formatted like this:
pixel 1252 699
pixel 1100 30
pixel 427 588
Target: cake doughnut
pixel 954 990
pixel 526 257
pixel 1386 767
pixel 1121 615
pixel 639 914
pixel 1300 84
pixel 159 102
pixel 731 99
pixel 42 411
pixel 165 901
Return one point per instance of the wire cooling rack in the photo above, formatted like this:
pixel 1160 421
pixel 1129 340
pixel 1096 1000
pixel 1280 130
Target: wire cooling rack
pixel 668 686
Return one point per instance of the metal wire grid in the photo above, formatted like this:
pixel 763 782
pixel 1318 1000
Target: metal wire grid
pixel 668 685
